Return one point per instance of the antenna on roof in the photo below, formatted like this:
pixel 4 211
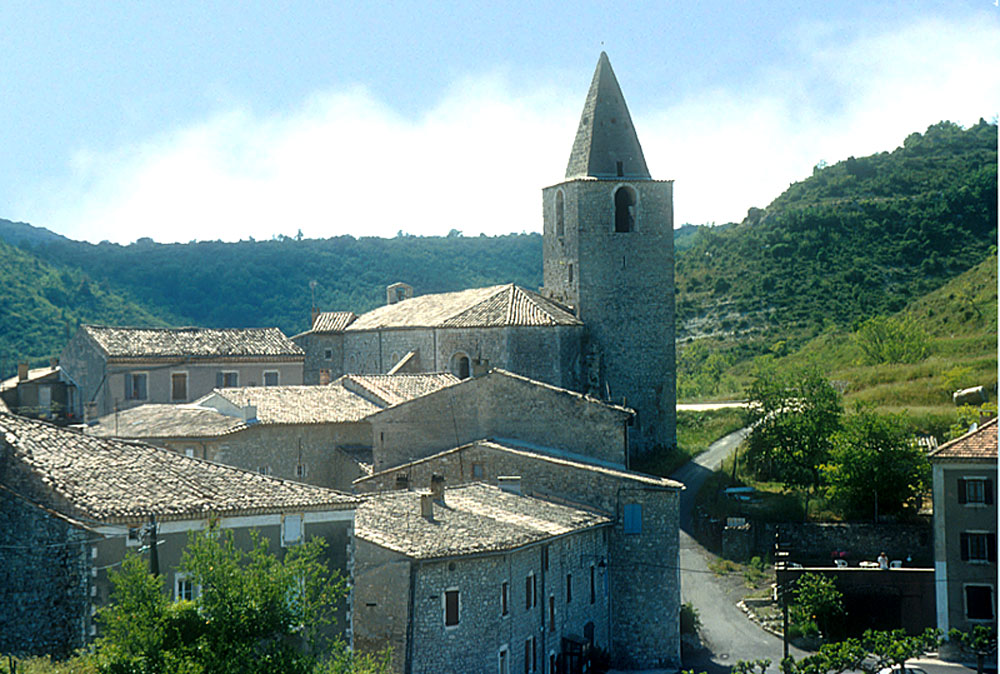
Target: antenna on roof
pixel 312 292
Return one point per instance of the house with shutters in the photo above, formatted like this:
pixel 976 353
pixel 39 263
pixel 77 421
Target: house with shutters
pixel 73 505
pixel 115 368
pixel 965 529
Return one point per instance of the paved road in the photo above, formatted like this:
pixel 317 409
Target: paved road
pixel 728 635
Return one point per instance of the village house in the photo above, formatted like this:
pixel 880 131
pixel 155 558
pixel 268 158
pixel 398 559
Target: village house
pixel 72 506
pixel 642 539
pixel 42 393
pixel 478 579
pixel 319 435
pixel 116 368
pixel 965 529
pixel 499 404
pixel 603 324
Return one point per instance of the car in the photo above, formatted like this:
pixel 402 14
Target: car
pixel 908 669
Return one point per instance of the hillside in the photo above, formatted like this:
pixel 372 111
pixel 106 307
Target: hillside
pixel 41 305
pixel 858 238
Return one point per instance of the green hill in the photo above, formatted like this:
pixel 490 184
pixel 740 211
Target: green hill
pixel 858 238
pixel 41 306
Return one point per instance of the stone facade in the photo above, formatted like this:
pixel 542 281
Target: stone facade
pixel 646 555
pixel 499 404
pixel 324 360
pixel 45 580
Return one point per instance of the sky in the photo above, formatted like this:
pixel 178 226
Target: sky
pixel 208 120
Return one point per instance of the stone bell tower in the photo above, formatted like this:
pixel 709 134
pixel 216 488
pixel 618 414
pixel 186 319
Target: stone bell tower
pixel 609 254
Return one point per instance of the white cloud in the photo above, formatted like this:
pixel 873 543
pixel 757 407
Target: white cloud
pixel 346 163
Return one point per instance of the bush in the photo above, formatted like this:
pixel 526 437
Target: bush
pixel 690 621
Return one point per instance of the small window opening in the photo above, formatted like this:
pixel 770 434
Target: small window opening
pixel 451 608
pixel 560 220
pixel 571 274
pixel 621 169
pixel 625 210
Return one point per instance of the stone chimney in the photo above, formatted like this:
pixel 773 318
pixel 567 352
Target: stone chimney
pixel 249 412
pixel 22 371
pixel 437 487
pixel 402 481
pixel 427 506
pixel 397 292
pixel 480 366
pixel 510 483
pixel 53 363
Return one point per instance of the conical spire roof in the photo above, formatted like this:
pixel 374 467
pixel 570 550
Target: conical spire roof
pixel 606 145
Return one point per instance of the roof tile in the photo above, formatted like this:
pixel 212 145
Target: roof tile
pixel 978 444
pixel 124 342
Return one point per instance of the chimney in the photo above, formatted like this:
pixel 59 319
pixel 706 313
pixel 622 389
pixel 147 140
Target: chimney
pixel 22 371
pixel 510 483
pixel 437 487
pixel 427 506
pixel 402 481
pixel 249 412
pixel 89 412
pixel 312 322
pixel 53 363
pixel 480 366
pixel 397 292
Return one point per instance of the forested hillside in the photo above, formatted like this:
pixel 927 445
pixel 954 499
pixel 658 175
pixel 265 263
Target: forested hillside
pixel 41 305
pixel 858 238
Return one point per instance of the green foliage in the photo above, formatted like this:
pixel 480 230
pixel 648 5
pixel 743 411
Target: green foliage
pixel 792 418
pixel 968 415
pixel 875 468
pixel 886 339
pixel 817 601
pixel 255 613
pixel 870 654
pixel 690 620
pixel 981 641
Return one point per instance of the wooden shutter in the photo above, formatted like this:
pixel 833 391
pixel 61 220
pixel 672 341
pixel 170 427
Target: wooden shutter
pixel 988 491
pixel 962 495
pixel 991 547
pixel 128 386
pixel 218 380
pixel 963 544
pixel 451 607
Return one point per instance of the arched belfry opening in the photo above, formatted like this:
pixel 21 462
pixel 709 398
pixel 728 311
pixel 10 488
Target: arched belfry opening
pixel 460 366
pixel 560 218
pixel 625 209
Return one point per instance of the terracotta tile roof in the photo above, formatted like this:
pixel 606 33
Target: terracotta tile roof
pixel 978 444
pixel 118 342
pixel 390 389
pixel 474 518
pixel 495 306
pixel 117 481
pixel 333 321
pixel 299 404
pixel 165 421
pixel 36 374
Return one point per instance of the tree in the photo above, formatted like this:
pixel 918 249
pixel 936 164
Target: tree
pixel 817 601
pixel 885 339
pixel 981 641
pixel 254 613
pixel 875 467
pixel 873 652
pixel 792 418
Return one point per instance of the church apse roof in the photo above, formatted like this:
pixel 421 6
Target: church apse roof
pixel 606 145
pixel 495 306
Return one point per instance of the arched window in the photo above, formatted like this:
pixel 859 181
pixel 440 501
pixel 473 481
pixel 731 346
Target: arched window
pixel 460 365
pixel 560 218
pixel 625 209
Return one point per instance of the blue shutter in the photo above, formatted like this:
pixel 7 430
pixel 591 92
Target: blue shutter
pixel 633 518
pixel 218 380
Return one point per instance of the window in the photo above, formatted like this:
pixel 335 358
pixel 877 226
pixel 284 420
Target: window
pixel 979 602
pixel 545 558
pixel 560 214
pixel 552 613
pixel 975 491
pixel 978 546
pixel 620 168
pixel 184 588
pixel 460 365
pixel 227 379
pixel 569 588
pixel 477 470
pixel 451 608
pixel 178 386
pixel 300 470
pixel 633 518
pixel 328 354
pixel 264 470
pixel 624 209
pixel 291 530
pixel 529 591
pixel 135 386
pixel 270 377
pixel 504 596
pixel 189 452
pixel 593 586
pixel 503 666
pixel 324 376
pixel 527 656
pixel 570 273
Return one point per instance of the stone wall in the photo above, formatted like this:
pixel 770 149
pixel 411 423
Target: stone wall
pixel 814 543
pixel 497 405
pixel 44 581
pixel 84 365
pixel 315 347
pixel 622 286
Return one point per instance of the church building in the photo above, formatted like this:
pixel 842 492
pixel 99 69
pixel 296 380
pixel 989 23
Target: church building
pixel 603 322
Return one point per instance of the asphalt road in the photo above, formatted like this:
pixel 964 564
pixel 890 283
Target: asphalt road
pixel 727 634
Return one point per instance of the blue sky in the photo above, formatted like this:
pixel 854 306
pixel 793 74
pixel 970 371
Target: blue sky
pixel 226 120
